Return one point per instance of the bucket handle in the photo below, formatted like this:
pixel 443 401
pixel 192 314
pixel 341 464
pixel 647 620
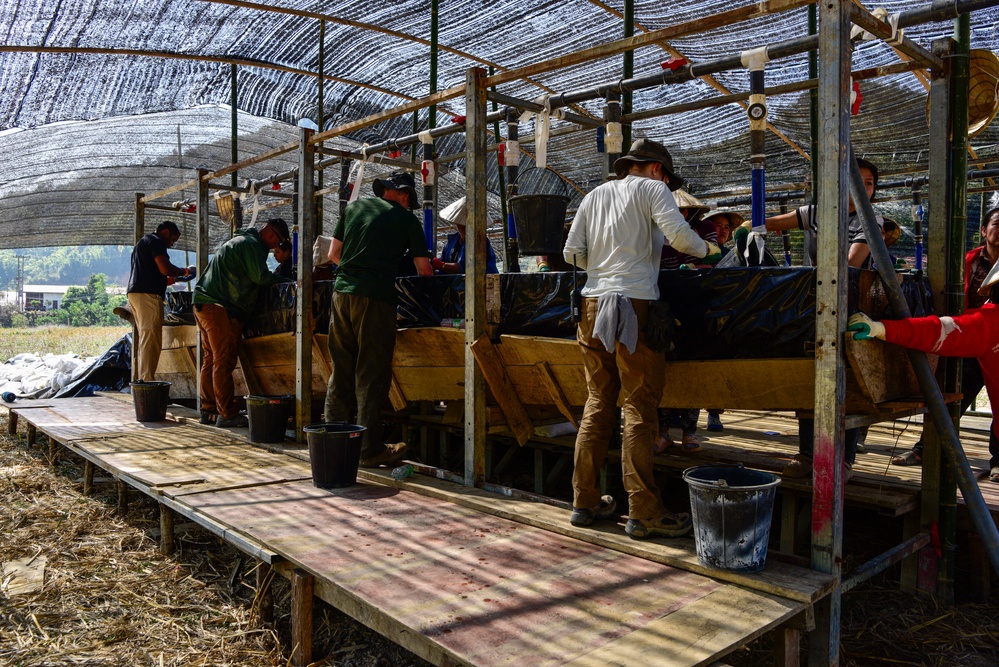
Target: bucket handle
pixel 565 186
pixel 720 483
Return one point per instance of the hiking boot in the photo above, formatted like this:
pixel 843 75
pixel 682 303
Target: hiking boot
pixel 714 422
pixel 994 474
pixel 236 421
pixel 909 458
pixel 208 418
pixel 800 467
pixel 668 525
pixel 390 455
pixel 583 517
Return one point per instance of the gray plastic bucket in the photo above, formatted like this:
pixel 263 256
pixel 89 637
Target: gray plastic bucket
pixel 150 400
pixel 731 508
pixel 335 453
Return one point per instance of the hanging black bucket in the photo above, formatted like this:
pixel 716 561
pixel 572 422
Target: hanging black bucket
pixel 150 400
pixel 539 220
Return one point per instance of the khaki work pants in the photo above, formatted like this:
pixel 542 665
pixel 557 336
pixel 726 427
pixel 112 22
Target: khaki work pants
pixel 639 379
pixel 361 343
pixel 220 335
pixel 147 309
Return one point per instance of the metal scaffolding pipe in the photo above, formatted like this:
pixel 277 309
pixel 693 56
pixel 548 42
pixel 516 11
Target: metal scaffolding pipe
pixel 525 105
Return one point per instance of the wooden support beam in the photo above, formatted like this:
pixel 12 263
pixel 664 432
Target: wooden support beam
pixel 555 389
pixel 304 318
pixel 122 488
pixel 396 396
pixel 787 647
pixel 502 388
pixel 302 584
pixel 32 434
pixel 166 530
pixel 53 450
pixel 88 478
pixel 263 599
pixel 11 423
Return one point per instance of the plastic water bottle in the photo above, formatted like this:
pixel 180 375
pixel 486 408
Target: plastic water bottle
pixel 402 472
pixel 8 397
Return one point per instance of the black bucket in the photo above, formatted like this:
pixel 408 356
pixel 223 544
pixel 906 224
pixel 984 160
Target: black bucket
pixel 539 220
pixel 335 453
pixel 268 417
pixel 150 400
pixel 731 509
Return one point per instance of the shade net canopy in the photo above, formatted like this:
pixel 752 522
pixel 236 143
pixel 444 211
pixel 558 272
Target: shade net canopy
pixel 101 100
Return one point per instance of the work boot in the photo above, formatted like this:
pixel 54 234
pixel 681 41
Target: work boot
pixel 584 517
pixel 800 467
pixel 668 525
pixel 390 455
pixel 208 418
pixel 236 421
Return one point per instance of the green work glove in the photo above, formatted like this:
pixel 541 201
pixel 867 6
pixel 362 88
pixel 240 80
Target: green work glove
pixel 543 267
pixel 743 230
pixel 864 328
pixel 901 264
pixel 714 253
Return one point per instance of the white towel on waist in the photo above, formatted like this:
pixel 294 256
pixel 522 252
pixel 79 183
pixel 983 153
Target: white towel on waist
pixel 616 322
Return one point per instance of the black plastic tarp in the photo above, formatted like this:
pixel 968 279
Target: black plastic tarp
pixel 111 372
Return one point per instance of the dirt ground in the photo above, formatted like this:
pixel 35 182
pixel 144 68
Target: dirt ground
pixel 110 598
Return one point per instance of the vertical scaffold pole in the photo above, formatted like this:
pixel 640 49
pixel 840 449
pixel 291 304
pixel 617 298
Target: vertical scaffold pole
pixel 512 156
pixel 830 321
pixel 304 319
pixel 613 137
pixel 475 274
pixel 201 260
pixel 755 60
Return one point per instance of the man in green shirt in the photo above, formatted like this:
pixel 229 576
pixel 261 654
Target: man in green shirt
pixel 368 243
pixel 224 298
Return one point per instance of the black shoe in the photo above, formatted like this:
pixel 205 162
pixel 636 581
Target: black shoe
pixel 605 510
pixel 208 418
pixel 237 421
pixel 668 525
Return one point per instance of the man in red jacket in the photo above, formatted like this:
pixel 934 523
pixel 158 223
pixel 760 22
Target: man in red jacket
pixel 974 333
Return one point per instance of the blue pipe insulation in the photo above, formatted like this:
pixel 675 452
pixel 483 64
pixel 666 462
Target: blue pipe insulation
pixel 511 228
pixel 428 229
pixel 952 449
pixel 759 194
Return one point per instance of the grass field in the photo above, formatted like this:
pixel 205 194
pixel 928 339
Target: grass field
pixel 84 341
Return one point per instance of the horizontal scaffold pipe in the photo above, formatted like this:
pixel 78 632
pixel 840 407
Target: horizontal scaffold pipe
pixel 524 105
pixel 262 193
pixel 747 200
pixel 798 86
pixel 791 47
pixel 863 18
pixel 338 156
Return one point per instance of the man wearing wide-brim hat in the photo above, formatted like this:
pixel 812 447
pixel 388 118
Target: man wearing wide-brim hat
pixel 617 237
pixel 370 239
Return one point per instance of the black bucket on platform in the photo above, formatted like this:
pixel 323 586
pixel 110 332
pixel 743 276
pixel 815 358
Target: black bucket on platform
pixel 539 220
pixel 268 416
pixel 151 400
pixel 335 453
pixel 731 509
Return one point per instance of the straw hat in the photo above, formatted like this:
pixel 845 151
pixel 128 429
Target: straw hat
pixel 688 201
pixel 891 231
pixel 455 212
pixel 735 219
pixel 983 90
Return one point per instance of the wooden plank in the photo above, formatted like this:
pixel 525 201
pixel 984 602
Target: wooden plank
pixel 396 395
pixel 249 372
pixel 777 579
pixel 499 383
pixel 433 347
pixel 691 636
pixel 302 584
pixel 468 598
pixel 882 370
pixel 179 336
pixel 556 393
pixel 431 383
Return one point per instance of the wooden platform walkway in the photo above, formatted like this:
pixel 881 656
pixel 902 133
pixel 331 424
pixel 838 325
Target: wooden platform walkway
pixel 456 575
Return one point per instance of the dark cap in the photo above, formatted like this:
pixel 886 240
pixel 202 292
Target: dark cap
pixel 646 150
pixel 398 180
pixel 279 226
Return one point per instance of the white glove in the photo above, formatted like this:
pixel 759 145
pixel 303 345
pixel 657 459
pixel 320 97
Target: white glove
pixel 864 328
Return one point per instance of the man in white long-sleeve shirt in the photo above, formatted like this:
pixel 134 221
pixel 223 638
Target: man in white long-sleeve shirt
pixel 617 237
